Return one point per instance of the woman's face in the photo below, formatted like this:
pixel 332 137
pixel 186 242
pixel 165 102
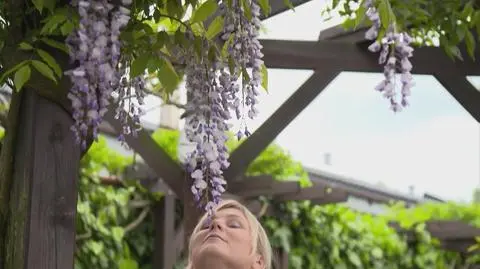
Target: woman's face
pixel 225 242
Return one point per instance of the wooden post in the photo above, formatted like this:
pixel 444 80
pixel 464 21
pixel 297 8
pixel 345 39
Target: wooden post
pixel 164 223
pixel 191 213
pixel 40 225
pixel 283 259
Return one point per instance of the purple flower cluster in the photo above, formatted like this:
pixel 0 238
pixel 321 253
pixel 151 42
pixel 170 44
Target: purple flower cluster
pixel 210 99
pixel 214 93
pixel 245 49
pixel 95 49
pixel 130 97
pixel 394 51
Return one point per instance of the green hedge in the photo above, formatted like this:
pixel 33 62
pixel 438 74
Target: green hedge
pixel 334 236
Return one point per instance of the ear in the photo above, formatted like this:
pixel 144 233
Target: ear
pixel 259 262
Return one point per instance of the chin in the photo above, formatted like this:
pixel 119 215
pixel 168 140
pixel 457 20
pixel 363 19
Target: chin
pixel 211 255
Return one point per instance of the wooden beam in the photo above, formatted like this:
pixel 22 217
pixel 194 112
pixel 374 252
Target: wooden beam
pixel 357 188
pixel 41 224
pixel 265 185
pixel 164 223
pixel 461 246
pixel 452 230
pixel 335 197
pixel 462 90
pixel 316 192
pixel 254 186
pixel 278 6
pixel 241 158
pixel 453 235
pixel 153 155
pixel 289 54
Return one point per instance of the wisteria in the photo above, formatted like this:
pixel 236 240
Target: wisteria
pixel 214 93
pixel 395 51
pixel 245 49
pixel 96 49
pixel 211 99
pixel 217 87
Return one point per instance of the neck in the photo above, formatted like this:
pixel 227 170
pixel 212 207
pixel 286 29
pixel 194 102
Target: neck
pixel 213 263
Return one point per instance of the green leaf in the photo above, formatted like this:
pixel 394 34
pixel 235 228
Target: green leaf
pixel 50 61
pixel 377 253
pixel 25 46
pixel 288 4
pixel 198 46
pixel 461 31
pixel 354 259
pixel 21 77
pixel 360 16
pixel 467 10
pixel 246 9
pixel 384 12
pixel 245 76
pixel 212 54
pixel 477 21
pixel 39 4
pixel 67 28
pixel 43 69
pixel 180 38
pixel 49 4
pixel 470 43
pixel 168 77
pixel 11 70
pixel 96 247
pixel 215 27
pixel 265 7
pixel 55 44
pixel 139 64
pixel 264 72
pixel 454 52
pixel 226 45
pixel 118 233
pixel 52 23
pixel 231 64
pixel 204 11
pixel 127 264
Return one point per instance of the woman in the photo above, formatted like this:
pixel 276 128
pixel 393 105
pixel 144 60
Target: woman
pixel 233 239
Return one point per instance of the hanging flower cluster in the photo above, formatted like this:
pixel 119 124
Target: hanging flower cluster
pixel 214 92
pixel 245 49
pixel 394 51
pixel 95 49
pixel 211 99
pixel 130 98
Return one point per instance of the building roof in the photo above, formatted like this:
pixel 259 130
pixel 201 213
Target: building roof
pixel 366 190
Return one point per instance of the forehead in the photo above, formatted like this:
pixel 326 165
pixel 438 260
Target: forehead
pixel 230 212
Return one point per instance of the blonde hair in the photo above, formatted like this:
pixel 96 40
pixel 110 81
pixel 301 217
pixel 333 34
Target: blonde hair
pixel 260 242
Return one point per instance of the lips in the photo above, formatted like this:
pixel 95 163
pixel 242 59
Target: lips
pixel 214 236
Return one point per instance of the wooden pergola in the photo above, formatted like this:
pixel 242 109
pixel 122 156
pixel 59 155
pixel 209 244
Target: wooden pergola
pixel 53 184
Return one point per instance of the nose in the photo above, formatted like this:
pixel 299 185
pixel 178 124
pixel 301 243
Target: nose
pixel 216 225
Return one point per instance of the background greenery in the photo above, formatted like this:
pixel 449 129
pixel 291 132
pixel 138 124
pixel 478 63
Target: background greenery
pixel 114 224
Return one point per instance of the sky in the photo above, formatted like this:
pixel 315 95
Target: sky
pixel 433 145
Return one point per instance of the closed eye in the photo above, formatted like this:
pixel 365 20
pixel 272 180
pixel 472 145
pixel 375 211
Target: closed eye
pixel 234 224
